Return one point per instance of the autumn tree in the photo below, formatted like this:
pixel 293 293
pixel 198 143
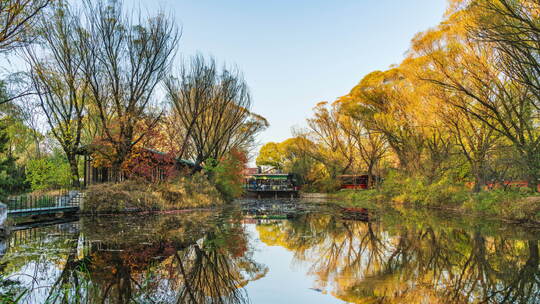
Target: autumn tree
pixel 57 78
pixel 271 154
pixel 512 28
pixel 124 60
pixel 330 143
pixel 385 103
pixel 370 146
pixel 482 78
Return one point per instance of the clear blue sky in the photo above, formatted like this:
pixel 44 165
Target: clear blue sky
pixel 295 53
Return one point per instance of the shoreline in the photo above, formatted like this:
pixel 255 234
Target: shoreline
pixel 460 211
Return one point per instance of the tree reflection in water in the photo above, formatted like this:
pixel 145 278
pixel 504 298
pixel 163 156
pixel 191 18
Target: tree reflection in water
pixel 368 262
pixel 182 259
pixel 203 258
pixel 216 271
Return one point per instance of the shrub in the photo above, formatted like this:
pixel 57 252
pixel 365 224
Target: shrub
pixel 359 198
pixel 189 192
pixel 326 185
pixel 517 204
pixel 523 209
pixel 514 204
pixel 399 189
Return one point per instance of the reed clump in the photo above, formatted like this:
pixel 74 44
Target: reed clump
pixel 138 195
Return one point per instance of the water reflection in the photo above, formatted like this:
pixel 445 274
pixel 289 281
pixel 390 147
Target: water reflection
pixel 189 258
pixel 208 257
pixel 369 262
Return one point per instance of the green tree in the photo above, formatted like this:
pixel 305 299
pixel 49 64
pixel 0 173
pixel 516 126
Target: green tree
pixel 48 173
pixel 7 162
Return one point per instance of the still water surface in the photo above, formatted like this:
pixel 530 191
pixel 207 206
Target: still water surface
pixel 320 255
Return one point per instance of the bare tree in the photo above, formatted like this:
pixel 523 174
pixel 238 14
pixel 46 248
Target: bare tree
pixel 125 59
pixel 213 110
pixel 190 93
pixel 57 78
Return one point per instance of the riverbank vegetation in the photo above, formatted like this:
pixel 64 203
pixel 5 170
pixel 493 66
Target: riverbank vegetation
pixel 516 205
pixel 140 195
pixel 103 85
pixel 457 118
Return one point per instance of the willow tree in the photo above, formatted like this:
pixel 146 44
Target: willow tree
pixel 512 29
pixel 213 110
pixel 370 146
pixel 481 78
pixel 293 155
pixel 57 78
pixel 386 103
pixel 334 147
pixel 124 60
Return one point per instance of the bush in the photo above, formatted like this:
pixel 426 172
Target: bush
pixel 359 198
pixel 399 189
pixel 326 185
pixel 189 192
pixel 514 204
pixel 444 192
pixel 523 209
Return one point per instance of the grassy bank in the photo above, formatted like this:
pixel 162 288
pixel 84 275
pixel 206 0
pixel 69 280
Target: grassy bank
pixel 133 196
pixel 514 204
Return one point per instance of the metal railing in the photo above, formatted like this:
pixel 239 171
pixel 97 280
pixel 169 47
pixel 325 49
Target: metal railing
pixel 61 198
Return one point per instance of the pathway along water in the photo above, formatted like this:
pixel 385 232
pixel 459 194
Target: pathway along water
pixel 270 253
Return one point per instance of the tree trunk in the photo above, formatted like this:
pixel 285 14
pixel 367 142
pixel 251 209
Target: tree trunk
pixel 74 168
pixel 370 176
pixel 533 160
pixel 477 184
pixel 116 171
pixel 532 181
pixel 123 152
pixel 479 180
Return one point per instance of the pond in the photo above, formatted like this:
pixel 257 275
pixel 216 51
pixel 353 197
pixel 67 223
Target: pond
pixel 291 253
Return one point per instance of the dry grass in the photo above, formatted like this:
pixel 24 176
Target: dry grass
pixel 133 195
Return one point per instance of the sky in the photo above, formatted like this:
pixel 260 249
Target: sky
pixel 296 53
